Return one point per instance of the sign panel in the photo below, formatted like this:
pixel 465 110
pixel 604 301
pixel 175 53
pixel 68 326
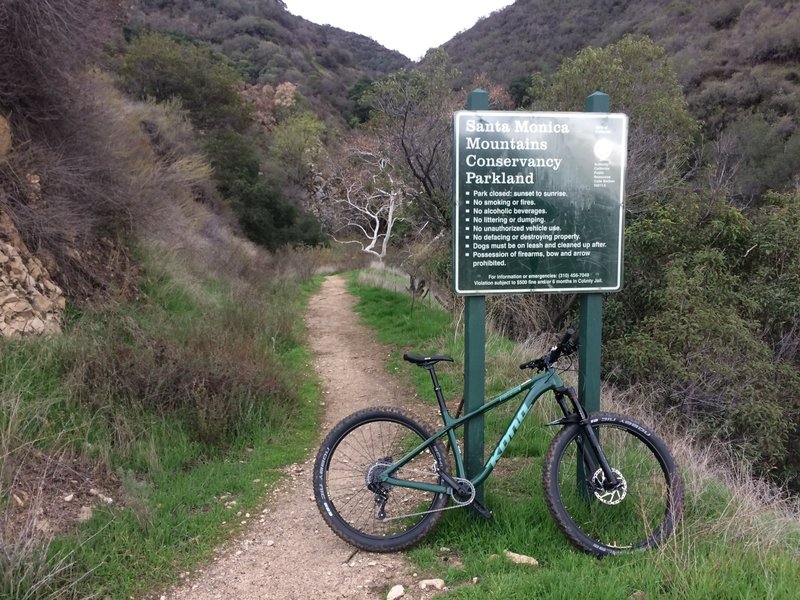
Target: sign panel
pixel 538 201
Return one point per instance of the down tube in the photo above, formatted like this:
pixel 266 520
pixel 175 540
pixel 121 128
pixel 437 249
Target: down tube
pixel 539 388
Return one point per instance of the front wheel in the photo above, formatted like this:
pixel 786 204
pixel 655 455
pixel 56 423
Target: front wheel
pixel 357 506
pixel 639 511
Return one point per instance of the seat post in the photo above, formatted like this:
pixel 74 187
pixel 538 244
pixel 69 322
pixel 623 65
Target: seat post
pixel 437 389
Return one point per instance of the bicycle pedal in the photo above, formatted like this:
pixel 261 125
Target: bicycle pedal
pixel 481 510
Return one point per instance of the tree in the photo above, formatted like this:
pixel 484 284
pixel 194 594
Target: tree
pixel 767 156
pixel 297 143
pixel 365 197
pixel 157 66
pixel 638 77
pixel 411 115
pixel 360 111
pixel 265 214
pixel 770 268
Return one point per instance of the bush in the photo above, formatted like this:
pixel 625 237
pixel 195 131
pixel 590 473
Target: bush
pixel 65 183
pixel 709 318
pixel 771 271
pixel 264 213
pixel 713 371
pixel 179 356
pixel 157 66
pixel 36 67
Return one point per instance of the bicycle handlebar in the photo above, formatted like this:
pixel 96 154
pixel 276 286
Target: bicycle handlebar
pixel 564 348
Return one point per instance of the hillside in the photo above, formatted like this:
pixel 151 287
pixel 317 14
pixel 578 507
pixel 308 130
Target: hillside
pixel 731 56
pixel 736 61
pixel 267 44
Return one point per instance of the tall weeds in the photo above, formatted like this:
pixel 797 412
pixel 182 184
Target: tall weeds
pixel 725 495
pixel 30 571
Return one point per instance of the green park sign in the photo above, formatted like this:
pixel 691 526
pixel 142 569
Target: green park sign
pixel 538 201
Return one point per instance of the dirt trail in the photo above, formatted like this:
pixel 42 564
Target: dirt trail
pixel 287 551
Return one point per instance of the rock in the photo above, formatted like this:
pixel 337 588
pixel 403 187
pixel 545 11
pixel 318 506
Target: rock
pixel 30 303
pixel 43 526
pixel 396 592
pixel 521 559
pixel 41 304
pixel 101 496
pixel 437 584
pixel 5 137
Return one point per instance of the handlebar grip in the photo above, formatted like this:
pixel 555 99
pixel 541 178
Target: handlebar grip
pixel 567 335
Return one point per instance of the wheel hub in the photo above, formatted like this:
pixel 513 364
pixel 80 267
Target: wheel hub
pixel 609 494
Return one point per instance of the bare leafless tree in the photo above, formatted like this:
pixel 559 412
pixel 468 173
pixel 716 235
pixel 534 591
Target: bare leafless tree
pixel 364 199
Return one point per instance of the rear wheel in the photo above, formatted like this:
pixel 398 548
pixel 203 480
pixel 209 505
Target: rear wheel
pixel 359 508
pixel 640 511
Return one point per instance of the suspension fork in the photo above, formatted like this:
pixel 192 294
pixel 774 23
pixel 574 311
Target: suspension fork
pixel 588 464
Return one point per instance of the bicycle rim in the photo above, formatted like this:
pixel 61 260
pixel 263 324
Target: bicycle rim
pixel 380 517
pixel 638 513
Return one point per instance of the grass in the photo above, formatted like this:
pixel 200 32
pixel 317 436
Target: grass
pixel 196 397
pixel 739 537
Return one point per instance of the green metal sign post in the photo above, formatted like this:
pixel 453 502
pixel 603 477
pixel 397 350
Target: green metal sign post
pixel 474 355
pixel 591 313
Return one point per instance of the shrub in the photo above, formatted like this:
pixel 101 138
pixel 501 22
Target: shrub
pixel 65 183
pixel 264 213
pixel 157 66
pixel 772 268
pixel 709 318
pixel 215 375
pixel 36 68
pixel 712 369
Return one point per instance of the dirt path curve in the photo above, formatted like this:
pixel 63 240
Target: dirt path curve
pixel 287 552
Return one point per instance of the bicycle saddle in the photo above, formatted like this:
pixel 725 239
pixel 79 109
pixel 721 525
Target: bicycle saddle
pixel 422 361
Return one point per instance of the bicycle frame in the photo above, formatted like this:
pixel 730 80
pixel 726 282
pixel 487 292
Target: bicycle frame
pixel 535 387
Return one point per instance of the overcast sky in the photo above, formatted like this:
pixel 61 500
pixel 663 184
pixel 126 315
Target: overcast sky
pixel 408 26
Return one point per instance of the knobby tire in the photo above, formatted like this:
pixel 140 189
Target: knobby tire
pixel 602 521
pixel 355 451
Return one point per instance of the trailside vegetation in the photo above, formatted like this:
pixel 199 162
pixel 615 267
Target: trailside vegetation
pixel 737 538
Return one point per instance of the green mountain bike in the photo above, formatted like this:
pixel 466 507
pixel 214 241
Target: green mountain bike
pixel 382 480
